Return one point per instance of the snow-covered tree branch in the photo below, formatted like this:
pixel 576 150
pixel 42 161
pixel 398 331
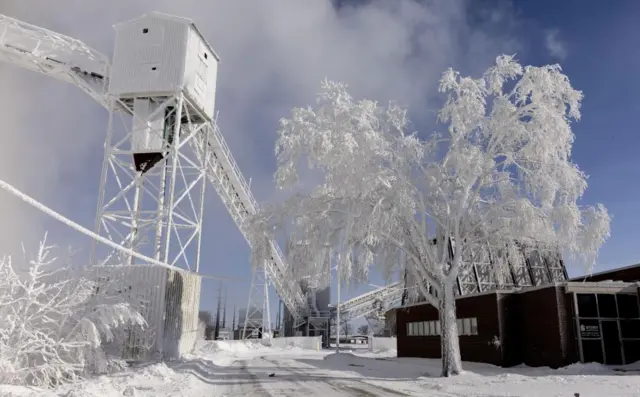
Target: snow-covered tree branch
pixel 54 321
pixel 500 180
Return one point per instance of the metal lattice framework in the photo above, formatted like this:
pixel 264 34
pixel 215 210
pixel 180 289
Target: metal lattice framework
pixel 257 318
pixel 478 274
pixel 537 268
pixel 71 61
pixel 155 210
pixel 376 301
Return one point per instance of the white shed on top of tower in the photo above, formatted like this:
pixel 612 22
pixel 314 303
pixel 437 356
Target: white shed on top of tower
pixel 158 55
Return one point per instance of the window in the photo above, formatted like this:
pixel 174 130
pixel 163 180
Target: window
pixel 630 329
pixel 145 31
pixel 467 326
pixel 628 306
pixel 607 305
pixel 587 306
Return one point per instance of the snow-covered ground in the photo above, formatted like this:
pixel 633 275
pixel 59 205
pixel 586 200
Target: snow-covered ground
pixel 240 369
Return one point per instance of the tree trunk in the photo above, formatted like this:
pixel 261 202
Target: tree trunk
pixel 450 344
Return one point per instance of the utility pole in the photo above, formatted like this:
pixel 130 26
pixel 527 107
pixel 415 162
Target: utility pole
pixel 224 310
pixel 338 308
pixel 233 325
pixel 216 331
pixel 278 316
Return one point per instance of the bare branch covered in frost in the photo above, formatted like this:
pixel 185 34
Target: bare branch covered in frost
pixel 507 176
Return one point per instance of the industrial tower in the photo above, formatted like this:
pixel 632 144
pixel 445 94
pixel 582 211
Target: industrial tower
pixel 162 145
pixel 153 178
pixel 162 141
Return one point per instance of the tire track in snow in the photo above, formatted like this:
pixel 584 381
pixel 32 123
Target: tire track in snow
pixel 242 387
pixel 350 387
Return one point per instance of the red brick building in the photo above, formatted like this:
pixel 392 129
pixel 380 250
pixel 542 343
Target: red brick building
pixel 595 318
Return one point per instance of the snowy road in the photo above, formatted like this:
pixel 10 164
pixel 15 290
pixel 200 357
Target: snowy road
pixel 293 378
pixel 225 369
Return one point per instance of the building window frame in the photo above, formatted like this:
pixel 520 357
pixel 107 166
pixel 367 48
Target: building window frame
pixel 467 326
pixel 599 318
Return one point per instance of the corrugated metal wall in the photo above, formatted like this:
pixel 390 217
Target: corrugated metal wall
pixel 168 300
pixel 200 62
pixel 149 56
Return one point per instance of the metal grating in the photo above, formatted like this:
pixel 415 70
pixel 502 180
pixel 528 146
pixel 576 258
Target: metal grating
pixel 479 274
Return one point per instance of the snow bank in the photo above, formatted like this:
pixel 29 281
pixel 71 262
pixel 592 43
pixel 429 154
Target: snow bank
pixel 224 352
pixel 237 346
pixel 586 368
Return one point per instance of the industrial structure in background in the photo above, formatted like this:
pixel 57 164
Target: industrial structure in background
pixel 318 319
pixel 533 268
pixel 162 147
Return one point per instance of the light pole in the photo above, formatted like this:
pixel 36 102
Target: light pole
pixel 338 310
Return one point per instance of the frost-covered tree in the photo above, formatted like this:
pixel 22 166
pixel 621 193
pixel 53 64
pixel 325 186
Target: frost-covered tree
pixel 499 180
pixel 54 321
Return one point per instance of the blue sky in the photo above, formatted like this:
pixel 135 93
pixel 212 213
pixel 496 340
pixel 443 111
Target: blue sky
pixel 274 54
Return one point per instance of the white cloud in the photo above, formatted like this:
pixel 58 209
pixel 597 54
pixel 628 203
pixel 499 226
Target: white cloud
pixel 555 46
pixel 274 54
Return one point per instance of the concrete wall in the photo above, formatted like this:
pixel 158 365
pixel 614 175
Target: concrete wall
pixel 377 343
pixel 303 342
pixel 541 328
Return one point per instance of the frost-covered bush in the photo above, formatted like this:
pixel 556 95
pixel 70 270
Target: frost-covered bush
pixel 53 322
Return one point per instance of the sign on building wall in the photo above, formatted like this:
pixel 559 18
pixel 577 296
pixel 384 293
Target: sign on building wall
pixel 590 329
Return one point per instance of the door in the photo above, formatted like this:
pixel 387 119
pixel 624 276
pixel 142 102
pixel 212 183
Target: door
pixel 611 342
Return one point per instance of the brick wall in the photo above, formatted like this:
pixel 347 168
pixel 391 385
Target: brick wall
pixel 542 328
pixel 478 348
pixel 532 327
pixel 510 319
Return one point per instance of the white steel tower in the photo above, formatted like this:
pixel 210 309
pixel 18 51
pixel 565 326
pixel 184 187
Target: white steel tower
pixel 258 316
pixel 162 140
pixel 154 172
